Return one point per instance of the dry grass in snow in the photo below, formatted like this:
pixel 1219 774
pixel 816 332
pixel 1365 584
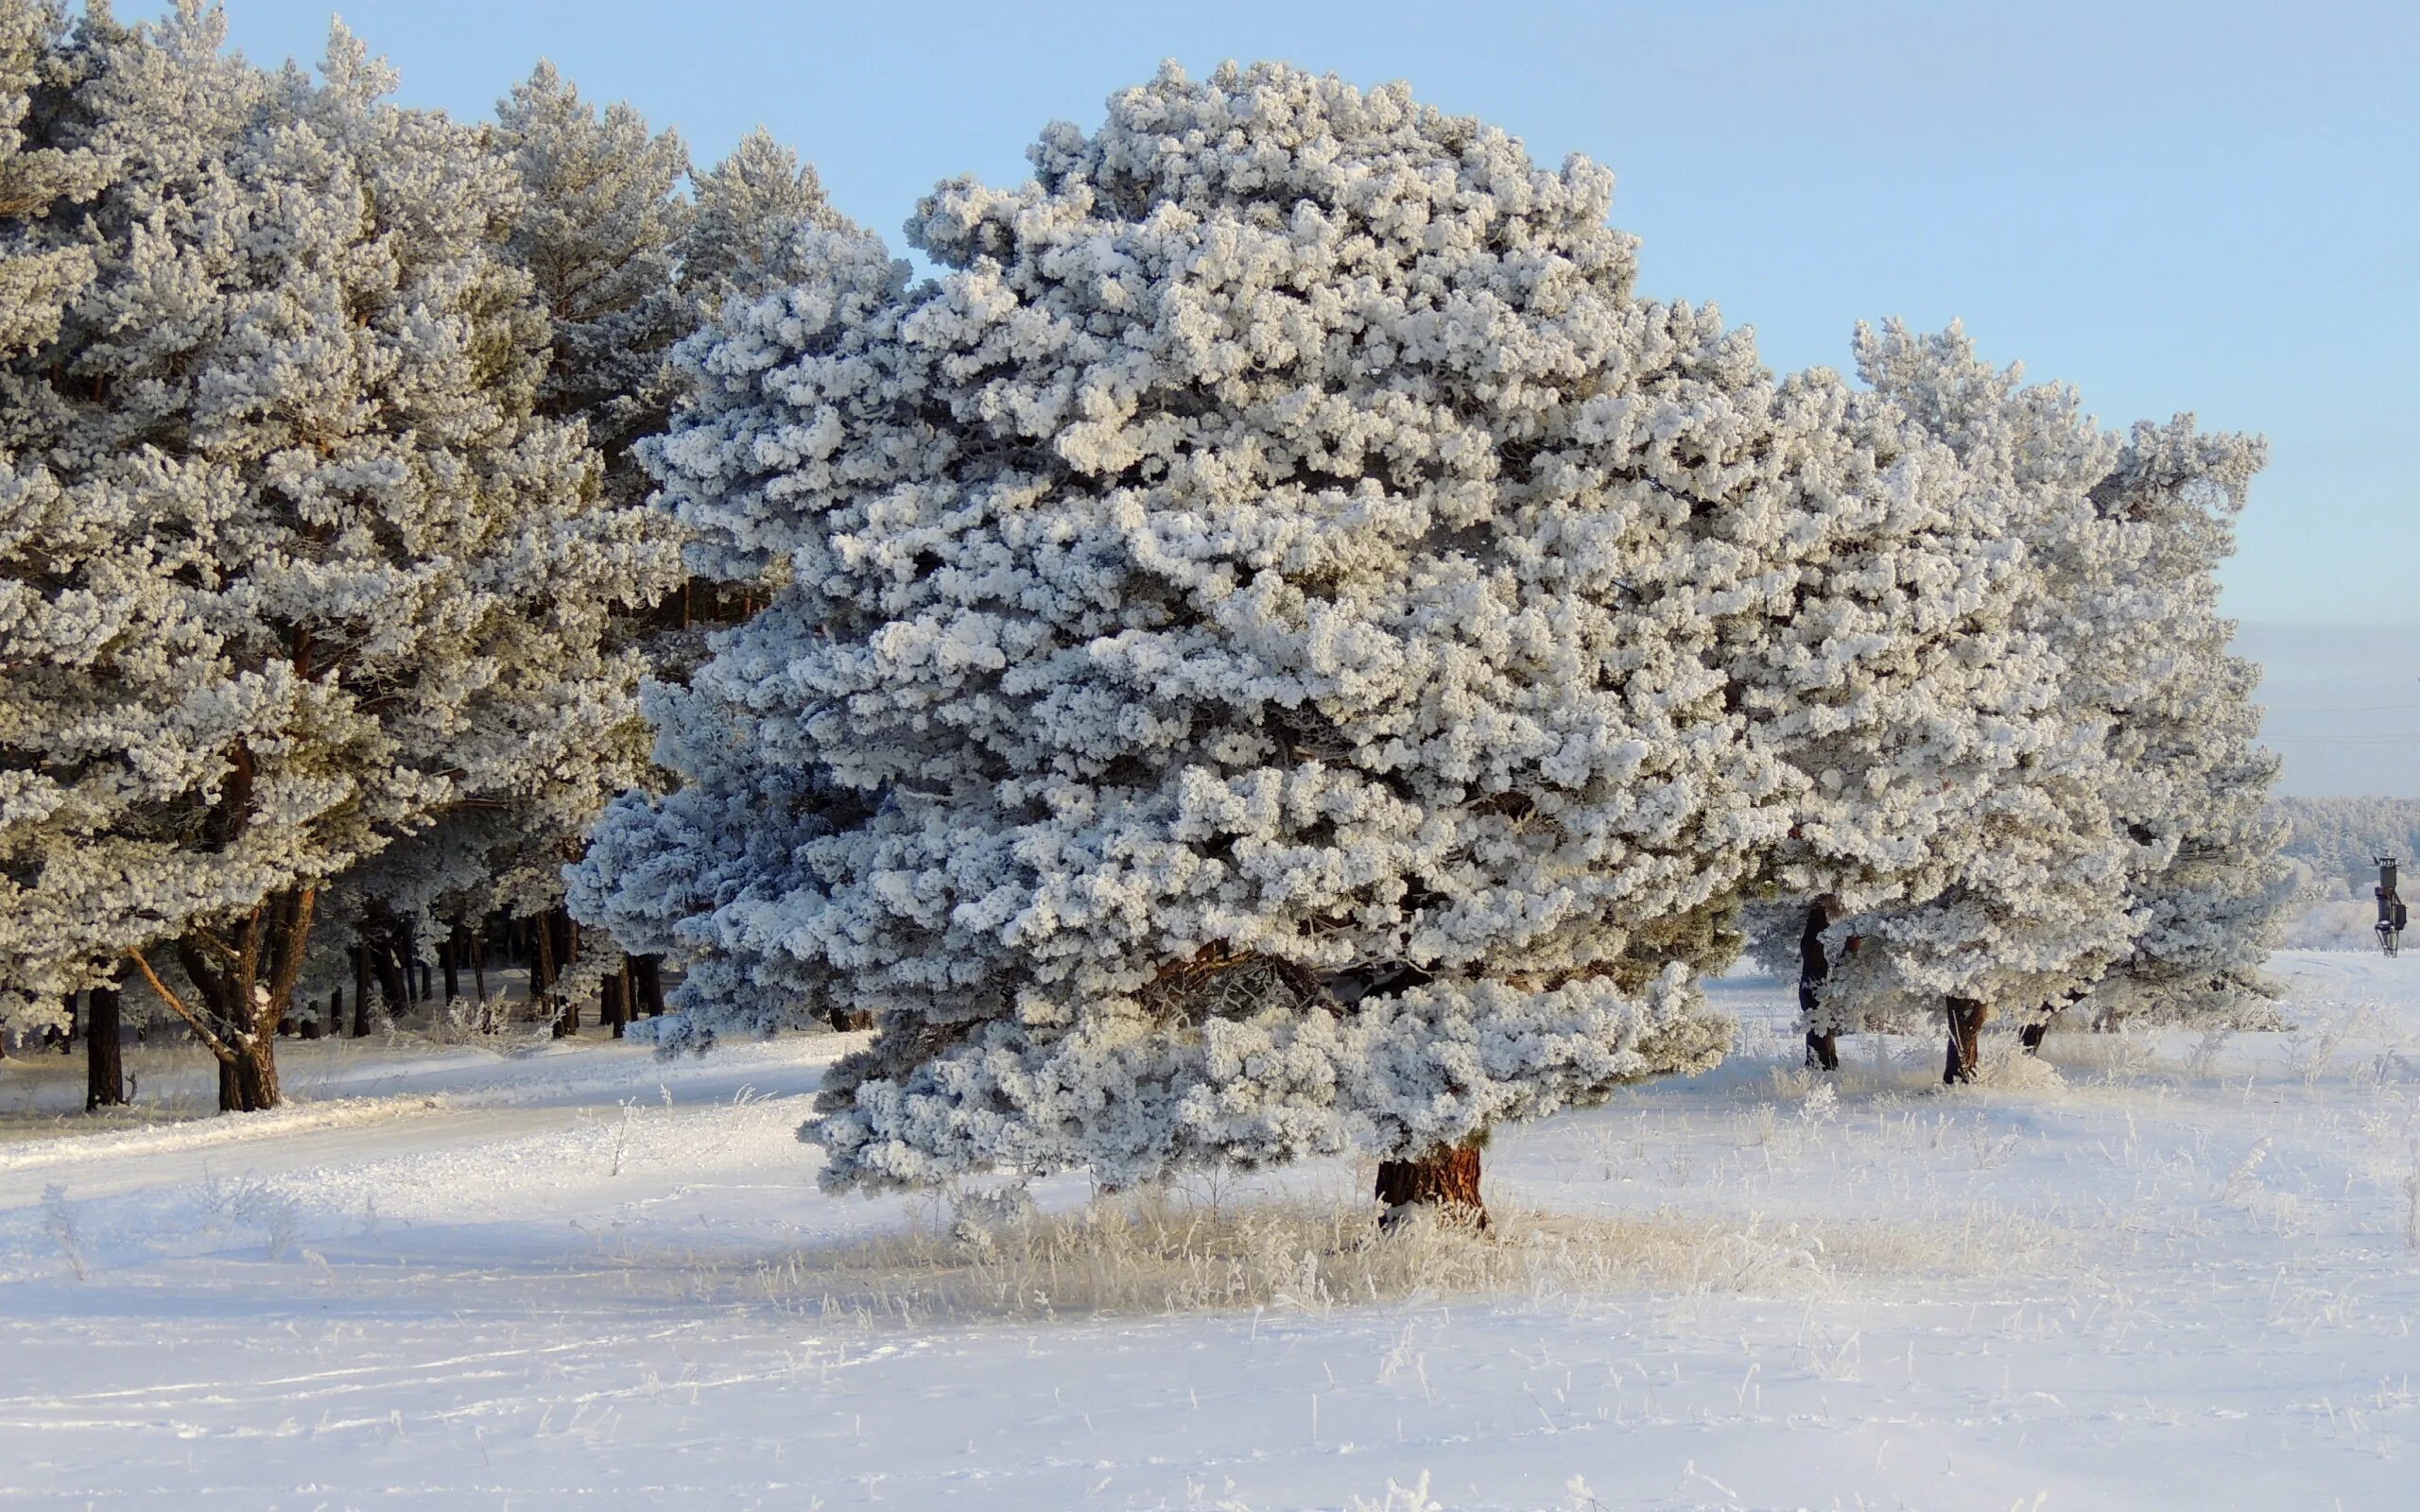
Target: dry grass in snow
pixel 1164 1252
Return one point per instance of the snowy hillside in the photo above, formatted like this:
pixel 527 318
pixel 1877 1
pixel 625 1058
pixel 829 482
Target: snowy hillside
pixel 2178 1273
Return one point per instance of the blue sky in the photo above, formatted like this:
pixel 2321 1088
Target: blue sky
pixel 2211 207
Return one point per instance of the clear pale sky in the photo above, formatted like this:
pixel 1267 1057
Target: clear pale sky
pixel 2210 207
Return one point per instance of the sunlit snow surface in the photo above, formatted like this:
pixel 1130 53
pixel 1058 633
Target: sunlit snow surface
pixel 2179 1275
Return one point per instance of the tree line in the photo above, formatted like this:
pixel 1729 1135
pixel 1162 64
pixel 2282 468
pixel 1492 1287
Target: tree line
pixel 328 577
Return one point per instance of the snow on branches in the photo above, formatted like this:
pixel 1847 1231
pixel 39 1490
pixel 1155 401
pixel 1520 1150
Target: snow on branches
pixel 1282 649
pixel 292 568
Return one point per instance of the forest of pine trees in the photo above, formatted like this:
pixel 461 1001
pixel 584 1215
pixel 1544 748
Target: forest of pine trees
pixel 1273 647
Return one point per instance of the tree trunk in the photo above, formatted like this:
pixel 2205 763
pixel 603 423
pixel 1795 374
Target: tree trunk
pixel 613 998
pixel 244 975
pixel 361 991
pixel 647 973
pixel 104 1069
pixel 1814 970
pixel 1965 1019
pixel 449 957
pixel 252 1076
pixel 1446 1178
pixel 2031 1036
pixel 479 966
pixel 541 964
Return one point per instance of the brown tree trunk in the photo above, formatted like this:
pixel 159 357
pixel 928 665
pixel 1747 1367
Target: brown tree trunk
pixel 2032 1037
pixel 647 971
pixel 416 975
pixel 1814 970
pixel 478 965
pixel 244 976
pixel 256 1075
pixel 1966 1020
pixel 449 958
pixel 1446 1178
pixel 613 998
pixel 541 964
pixel 104 1068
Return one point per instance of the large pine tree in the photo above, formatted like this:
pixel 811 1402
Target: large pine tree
pixel 1269 653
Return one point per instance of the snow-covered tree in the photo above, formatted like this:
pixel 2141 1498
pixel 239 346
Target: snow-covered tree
pixel 2209 906
pixel 750 208
pixel 601 234
pixel 2029 904
pixel 628 268
pixel 1261 667
pixel 313 573
pixel 45 263
pixel 1896 678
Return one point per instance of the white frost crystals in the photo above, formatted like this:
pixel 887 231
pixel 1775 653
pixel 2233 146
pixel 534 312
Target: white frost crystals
pixel 1279 649
pixel 290 569
pixel 1249 677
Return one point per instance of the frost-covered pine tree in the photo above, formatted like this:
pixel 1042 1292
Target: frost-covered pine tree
pixel 1895 678
pixel 750 210
pixel 601 234
pixel 43 260
pixel 46 261
pixel 602 237
pixel 2029 904
pixel 1251 679
pixel 2209 905
pixel 313 573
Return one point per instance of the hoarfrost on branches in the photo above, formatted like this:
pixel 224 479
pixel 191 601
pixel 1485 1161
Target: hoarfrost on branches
pixel 1271 646
pixel 301 571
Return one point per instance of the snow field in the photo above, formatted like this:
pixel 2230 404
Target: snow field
pixel 2171 1272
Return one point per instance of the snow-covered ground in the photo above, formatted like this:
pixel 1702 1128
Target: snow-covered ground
pixel 2175 1273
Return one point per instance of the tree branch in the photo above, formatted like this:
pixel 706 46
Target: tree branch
pixel 217 1046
